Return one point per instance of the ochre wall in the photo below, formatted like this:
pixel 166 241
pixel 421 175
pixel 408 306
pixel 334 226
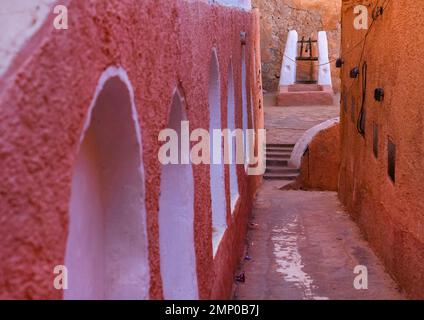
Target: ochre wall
pixel 44 97
pixel 321 163
pixel 391 214
pixel 308 17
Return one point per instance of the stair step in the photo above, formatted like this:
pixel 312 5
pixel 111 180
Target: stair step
pixel 277 162
pixel 282 170
pixel 280 177
pixel 289 150
pixel 278 155
pixel 279 145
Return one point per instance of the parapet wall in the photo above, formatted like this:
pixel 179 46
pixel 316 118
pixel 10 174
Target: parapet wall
pixel 45 94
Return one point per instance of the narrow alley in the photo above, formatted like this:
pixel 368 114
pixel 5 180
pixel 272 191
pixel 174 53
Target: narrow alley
pixel 303 244
pixel 211 150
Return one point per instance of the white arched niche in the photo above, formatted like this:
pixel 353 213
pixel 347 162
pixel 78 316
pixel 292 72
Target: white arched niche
pixel 231 125
pixel 245 115
pixel 253 87
pixel 106 252
pixel 176 219
pixel 252 145
pixel 217 169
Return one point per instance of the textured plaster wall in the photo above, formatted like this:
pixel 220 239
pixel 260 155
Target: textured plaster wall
pixel 308 17
pixel 391 214
pixel 321 162
pixel 44 97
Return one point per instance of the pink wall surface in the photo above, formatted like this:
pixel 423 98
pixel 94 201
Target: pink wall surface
pixel 44 100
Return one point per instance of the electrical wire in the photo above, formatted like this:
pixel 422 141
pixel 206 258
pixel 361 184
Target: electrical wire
pixel 361 118
pixel 362 41
pixel 377 11
pixel 360 125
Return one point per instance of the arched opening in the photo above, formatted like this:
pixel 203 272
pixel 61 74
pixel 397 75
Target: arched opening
pixel 252 146
pixel 245 115
pixel 107 254
pixel 176 220
pixel 252 87
pixel 217 183
pixel 234 191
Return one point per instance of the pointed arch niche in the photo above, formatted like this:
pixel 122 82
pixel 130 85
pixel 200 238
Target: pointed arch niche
pixel 231 125
pixel 245 114
pixel 106 252
pixel 217 170
pixel 176 219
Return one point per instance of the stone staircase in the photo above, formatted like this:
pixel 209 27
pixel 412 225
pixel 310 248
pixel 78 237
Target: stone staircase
pixel 277 158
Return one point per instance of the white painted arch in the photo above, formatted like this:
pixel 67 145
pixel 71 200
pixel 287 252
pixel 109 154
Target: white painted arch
pixel 303 143
pixel 217 170
pixel 176 219
pixel 106 252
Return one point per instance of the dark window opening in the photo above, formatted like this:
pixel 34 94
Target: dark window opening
pixel 391 151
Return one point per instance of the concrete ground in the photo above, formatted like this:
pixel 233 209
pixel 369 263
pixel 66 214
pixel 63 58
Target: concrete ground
pixel 303 245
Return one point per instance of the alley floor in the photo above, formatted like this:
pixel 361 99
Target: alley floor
pixel 303 245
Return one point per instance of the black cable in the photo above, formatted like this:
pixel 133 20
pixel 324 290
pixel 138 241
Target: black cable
pixel 364 40
pixel 374 18
pixel 360 125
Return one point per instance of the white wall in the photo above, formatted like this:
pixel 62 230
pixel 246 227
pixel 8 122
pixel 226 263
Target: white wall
pixel 288 68
pixel 244 4
pixel 234 191
pixel 176 221
pixel 19 20
pixel 219 208
pixel 106 253
pixel 324 71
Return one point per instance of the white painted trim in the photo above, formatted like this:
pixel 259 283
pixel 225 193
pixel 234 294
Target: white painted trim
pixel 109 73
pixel 242 4
pixel 288 68
pixel 324 70
pixel 305 140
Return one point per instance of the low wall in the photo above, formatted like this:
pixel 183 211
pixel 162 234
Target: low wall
pixel 321 162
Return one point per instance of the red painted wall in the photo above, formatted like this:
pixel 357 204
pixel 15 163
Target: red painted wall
pixel 391 214
pixel 43 102
pixel 321 163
